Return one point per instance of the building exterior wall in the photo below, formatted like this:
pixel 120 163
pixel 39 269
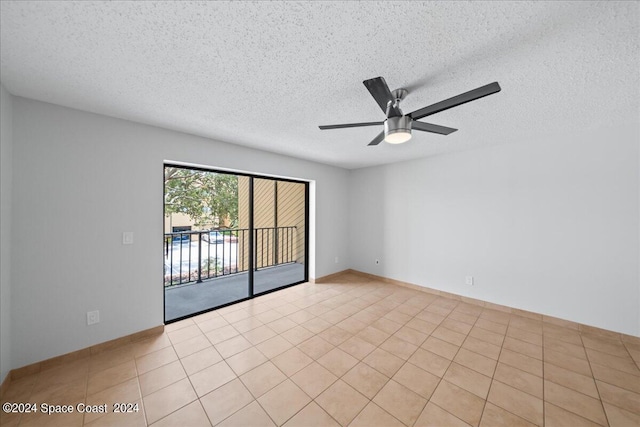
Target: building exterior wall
pixel 178 220
pixel 276 204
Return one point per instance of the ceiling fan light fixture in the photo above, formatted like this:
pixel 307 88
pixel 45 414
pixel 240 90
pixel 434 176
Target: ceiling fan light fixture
pixel 398 126
pixel 397 130
pixel 398 137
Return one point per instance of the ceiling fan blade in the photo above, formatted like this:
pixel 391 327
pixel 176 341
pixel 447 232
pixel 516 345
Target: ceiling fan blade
pixel 350 125
pixel 378 88
pixel 378 139
pixel 463 98
pixel 430 127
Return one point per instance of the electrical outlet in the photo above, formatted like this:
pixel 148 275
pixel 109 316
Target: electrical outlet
pixel 93 317
pixel 336 260
pixel 377 261
pixel 468 280
pixel 127 238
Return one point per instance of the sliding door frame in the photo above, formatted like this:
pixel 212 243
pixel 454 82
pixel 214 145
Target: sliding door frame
pixel 251 260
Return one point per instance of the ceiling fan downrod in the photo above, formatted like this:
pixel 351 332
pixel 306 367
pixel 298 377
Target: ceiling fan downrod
pixel 397 129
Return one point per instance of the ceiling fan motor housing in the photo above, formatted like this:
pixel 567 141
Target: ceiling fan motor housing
pixel 397 125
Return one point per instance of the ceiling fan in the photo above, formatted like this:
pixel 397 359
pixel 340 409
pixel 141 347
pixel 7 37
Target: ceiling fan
pixel 398 126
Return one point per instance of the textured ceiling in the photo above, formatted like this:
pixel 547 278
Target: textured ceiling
pixel 266 74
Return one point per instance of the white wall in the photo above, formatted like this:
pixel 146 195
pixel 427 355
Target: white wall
pixel 550 226
pixel 6 137
pixel 82 179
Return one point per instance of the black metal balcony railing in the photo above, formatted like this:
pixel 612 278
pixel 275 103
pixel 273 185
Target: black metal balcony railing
pixel 193 256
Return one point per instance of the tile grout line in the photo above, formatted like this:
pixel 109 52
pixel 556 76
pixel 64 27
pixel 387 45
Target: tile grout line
pixel 637 363
pixel 484 406
pixel 340 378
pixel 445 372
pixel 502 346
pixel 592 377
pixel 492 376
pixel 370 400
pixel 407 360
pixel 224 359
pixel 493 379
pixel 414 352
pixel 189 378
pixel 135 366
pixel 594 381
pixel 295 298
pixel 288 377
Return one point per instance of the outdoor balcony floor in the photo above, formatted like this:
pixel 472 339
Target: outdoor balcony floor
pixel 181 301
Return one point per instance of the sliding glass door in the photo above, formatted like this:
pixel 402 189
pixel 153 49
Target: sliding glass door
pixel 279 230
pixel 203 246
pixel 228 237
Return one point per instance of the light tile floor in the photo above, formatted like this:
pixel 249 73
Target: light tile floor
pixel 351 353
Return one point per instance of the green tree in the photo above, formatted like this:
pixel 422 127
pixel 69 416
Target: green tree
pixel 206 197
